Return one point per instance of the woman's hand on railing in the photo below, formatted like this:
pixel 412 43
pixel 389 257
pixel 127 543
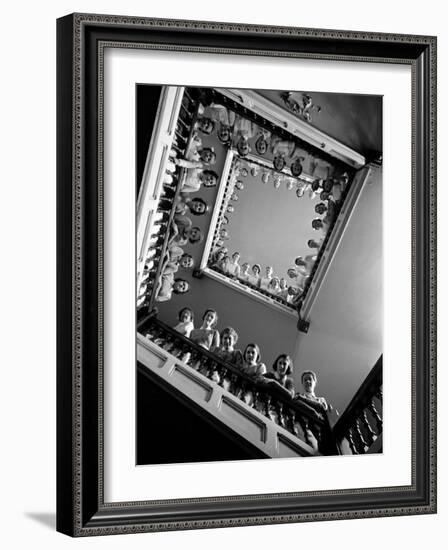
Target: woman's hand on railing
pixel 318 410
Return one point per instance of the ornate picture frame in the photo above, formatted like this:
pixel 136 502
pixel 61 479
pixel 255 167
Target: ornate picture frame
pixel 81 506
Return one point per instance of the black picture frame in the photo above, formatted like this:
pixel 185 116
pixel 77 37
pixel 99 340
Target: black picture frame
pixel 81 509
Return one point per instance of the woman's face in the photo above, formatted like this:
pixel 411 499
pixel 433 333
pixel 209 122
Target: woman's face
pixel 186 262
pixel 228 341
pixel 209 318
pixel 320 208
pixel 197 207
pixel 181 286
pixel 208 156
pixel 261 145
pixel 245 268
pixel 243 148
pixel 236 257
pixel 251 355
pixel 185 316
pixel 274 284
pixel 256 270
pixel 282 366
pixel 269 271
pixel 195 234
pixel 309 383
pixel 279 163
pixel 206 125
pixel 224 134
pixel 209 180
pixel 296 168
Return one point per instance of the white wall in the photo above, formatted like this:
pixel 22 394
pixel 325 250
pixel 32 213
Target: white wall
pixel 28 274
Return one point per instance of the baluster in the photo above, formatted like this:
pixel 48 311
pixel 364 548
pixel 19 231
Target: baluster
pixel 224 381
pixel 142 291
pixel 304 425
pixel 168 194
pixel 195 361
pixel 187 97
pixel 181 137
pixel 146 275
pixel 183 123
pixel 309 436
pixel 180 350
pixel 234 387
pixel 204 367
pixel 351 442
pixel 267 406
pixel 214 374
pixel 189 113
pixel 280 417
pixel 151 333
pixel 165 204
pixel 243 392
pixel 291 422
pixel 364 444
pixel 256 401
pixel 370 434
pixel 160 339
pixel 170 344
pixel 317 432
pixel 186 354
pixel 248 397
pixel 376 416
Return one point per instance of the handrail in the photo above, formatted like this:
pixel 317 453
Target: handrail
pixel 270 400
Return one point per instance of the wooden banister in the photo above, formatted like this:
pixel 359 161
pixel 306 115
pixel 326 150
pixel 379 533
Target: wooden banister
pixel 293 415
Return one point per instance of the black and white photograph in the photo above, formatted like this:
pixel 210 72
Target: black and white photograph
pixel 259 271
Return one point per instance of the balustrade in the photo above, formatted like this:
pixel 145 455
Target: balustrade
pixel 294 416
pixel 159 234
pixel 361 424
pixel 261 291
